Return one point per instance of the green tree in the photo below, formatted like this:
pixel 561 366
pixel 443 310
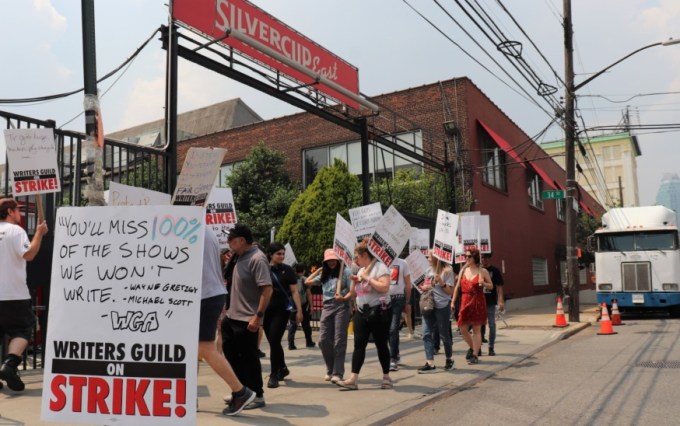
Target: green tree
pixel 147 173
pixel 585 227
pixel 309 225
pixel 262 190
pixel 419 193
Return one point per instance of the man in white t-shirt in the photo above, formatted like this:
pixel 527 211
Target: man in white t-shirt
pixel 16 316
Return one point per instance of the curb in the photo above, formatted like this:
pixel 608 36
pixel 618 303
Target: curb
pixel 482 377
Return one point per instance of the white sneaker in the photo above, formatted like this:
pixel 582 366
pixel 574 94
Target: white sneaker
pixel 394 366
pixel 327 378
pixel 336 379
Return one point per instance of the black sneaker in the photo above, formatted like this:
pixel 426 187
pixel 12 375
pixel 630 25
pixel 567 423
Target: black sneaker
pixel 292 347
pixel 311 344
pixel 238 403
pixel 11 376
pixel 436 350
pixel 261 354
pixel 273 382
pixel 473 360
pixel 282 373
pixel 484 340
pixel 258 402
pixel 492 352
pixel 427 368
pixel 449 365
pixel 480 352
pixel 468 355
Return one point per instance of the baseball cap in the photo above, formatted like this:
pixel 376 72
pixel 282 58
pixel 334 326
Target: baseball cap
pixel 241 230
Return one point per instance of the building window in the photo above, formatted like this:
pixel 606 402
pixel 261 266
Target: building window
pixel 222 174
pixel 382 162
pixel 534 189
pixel 493 162
pixel 611 153
pixel 560 207
pixel 539 267
pixel 315 160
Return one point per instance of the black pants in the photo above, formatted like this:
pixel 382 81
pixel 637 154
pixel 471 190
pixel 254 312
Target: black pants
pixel 381 332
pixel 240 349
pixel 275 322
pixel 306 327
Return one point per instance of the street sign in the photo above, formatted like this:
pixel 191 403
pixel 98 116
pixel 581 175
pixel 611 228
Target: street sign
pixel 553 195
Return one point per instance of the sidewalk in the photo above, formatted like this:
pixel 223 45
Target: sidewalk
pixel 305 399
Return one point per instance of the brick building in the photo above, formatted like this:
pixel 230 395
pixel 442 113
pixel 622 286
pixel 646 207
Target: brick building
pixel 494 162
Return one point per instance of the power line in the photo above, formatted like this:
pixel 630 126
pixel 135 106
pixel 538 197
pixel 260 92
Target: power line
pixel 629 98
pixel 557 76
pixel 510 50
pixel 526 95
pixel 73 92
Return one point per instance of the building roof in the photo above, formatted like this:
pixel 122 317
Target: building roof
pixel 600 139
pixel 199 122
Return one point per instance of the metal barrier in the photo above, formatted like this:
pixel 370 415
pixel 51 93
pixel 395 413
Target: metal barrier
pixel 127 163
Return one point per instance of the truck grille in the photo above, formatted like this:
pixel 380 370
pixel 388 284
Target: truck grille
pixel 636 276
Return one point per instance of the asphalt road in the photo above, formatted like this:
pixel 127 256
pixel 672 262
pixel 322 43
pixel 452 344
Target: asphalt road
pixel 630 378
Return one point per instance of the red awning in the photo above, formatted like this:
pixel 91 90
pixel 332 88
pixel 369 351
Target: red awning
pixel 546 178
pixel 503 144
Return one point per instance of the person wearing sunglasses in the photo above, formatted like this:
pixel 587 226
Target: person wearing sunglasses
pixel 472 280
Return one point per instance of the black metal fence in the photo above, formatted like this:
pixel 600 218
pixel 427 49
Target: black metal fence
pixel 127 163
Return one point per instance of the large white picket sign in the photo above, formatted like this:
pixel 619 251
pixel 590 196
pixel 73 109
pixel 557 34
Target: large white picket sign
pixel 220 214
pixel 119 194
pixel 198 176
pixel 124 309
pixel 364 219
pixel 419 240
pixel 344 240
pixel 445 236
pixel 389 237
pixel 32 161
pixel 418 266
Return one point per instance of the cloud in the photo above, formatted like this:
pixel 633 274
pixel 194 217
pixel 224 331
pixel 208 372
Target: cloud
pixel 663 18
pixel 144 103
pixel 56 20
pixel 64 71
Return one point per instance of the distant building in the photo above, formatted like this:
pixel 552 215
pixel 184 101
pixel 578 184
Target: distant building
pixel 199 122
pixel 495 169
pixel 609 169
pixel 669 193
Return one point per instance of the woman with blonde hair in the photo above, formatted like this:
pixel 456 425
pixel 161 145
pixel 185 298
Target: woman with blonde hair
pixel 472 280
pixel 439 281
pixel 370 286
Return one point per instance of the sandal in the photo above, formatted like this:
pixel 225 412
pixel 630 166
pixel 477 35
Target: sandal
pixel 387 384
pixel 346 386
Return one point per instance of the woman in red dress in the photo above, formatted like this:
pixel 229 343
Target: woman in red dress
pixel 472 280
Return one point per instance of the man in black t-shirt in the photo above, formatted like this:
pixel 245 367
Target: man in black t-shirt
pixel 493 297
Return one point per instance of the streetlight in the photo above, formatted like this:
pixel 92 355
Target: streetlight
pixel 569 139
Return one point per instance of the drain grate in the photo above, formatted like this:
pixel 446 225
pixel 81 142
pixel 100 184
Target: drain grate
pixel 659 364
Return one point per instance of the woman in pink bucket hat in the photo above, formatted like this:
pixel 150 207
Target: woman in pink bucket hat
pixel 335 315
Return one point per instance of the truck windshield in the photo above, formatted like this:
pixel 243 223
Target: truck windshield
pixel 638 241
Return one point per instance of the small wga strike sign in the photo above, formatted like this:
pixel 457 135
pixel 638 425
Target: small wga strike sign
pixel 32 161
pixel 121 348
pixel 390 236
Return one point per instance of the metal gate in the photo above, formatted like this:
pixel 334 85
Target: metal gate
pixel 126 163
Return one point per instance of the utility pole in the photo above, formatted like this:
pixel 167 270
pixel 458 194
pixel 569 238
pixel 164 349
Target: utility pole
pixel 569 142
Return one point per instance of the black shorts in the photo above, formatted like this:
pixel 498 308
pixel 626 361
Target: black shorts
pixel 211 308
pixel 17 318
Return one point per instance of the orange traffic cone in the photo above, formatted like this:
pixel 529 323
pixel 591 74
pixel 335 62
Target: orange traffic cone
pixel 605 322
pixel 616 316
pixel 560 320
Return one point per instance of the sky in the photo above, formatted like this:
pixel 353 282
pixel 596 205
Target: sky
pixel 393 48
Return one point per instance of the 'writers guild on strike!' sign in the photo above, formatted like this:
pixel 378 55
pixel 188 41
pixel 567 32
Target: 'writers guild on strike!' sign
pixel 124 307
